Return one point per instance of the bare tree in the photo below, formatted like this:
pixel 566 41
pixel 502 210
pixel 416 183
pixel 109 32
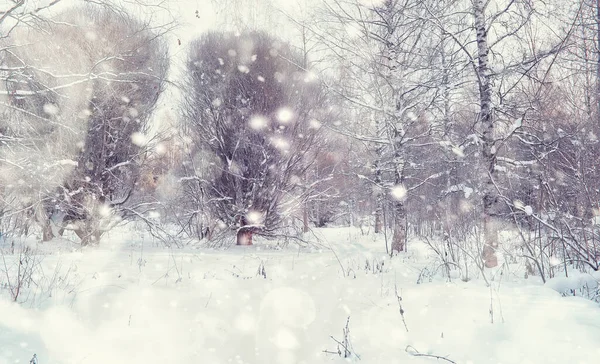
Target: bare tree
pixel 384 57
pixel 252 116
pixel 94 103
pixel 482 31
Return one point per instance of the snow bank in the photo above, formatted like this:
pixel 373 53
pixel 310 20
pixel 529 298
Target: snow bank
pixel 576 281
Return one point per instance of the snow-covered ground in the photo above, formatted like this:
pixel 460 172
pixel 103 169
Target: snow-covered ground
pixel 131 301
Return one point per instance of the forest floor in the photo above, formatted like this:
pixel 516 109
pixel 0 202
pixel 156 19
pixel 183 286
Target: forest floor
pixel 131 301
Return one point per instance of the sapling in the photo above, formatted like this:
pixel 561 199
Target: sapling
pixel 344 347
pixel 261 270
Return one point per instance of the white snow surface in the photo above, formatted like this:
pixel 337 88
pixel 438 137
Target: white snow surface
pixel 131 301
pixel 574 282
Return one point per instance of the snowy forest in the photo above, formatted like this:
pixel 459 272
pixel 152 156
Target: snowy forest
pixel 299 181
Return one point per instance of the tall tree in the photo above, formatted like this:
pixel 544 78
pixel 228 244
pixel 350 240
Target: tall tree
pixel 92 101
pixel 490 194
pixel 253 113
pixel 484 32
pixel 385 58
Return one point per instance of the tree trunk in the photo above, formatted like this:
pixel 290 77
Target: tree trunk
pixel 598 61
pixel 451 205
pixel 490 195
pixel 378 214
pixel 377 179
pixel 43 220
pixel 399 238
pixel 244 236
pixel 490 245
pixel 88 234
pixel 47 234
pixel 305 227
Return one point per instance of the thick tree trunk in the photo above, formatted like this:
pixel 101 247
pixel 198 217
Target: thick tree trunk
pixel 47 234
pixel 490 195
pixel 400 216
pixel 43 220
pixel 88 233
pixel 377 179
pixel 244 236
pixel 400 223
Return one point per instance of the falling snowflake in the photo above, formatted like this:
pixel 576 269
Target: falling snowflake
pixel 285 115
pixel 411 116
pixel 458 152
pixel 133 112
pixel 255 217
pixel 258 122
pixel 399 192
pixel 309 77
pixel 104 210
pixel 138 139
pixel 160 149
pixel 51 109
pixel 314 124
pixel 91 36
pixel 280 143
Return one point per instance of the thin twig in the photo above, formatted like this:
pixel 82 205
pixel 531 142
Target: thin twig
pixel 400 306
pixel 414 352
pixel 207 301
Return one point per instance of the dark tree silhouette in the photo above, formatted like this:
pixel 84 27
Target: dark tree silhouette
pixel 252 112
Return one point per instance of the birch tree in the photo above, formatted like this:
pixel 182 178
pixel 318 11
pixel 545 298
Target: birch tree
pixel 385 64
pixel 500 41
